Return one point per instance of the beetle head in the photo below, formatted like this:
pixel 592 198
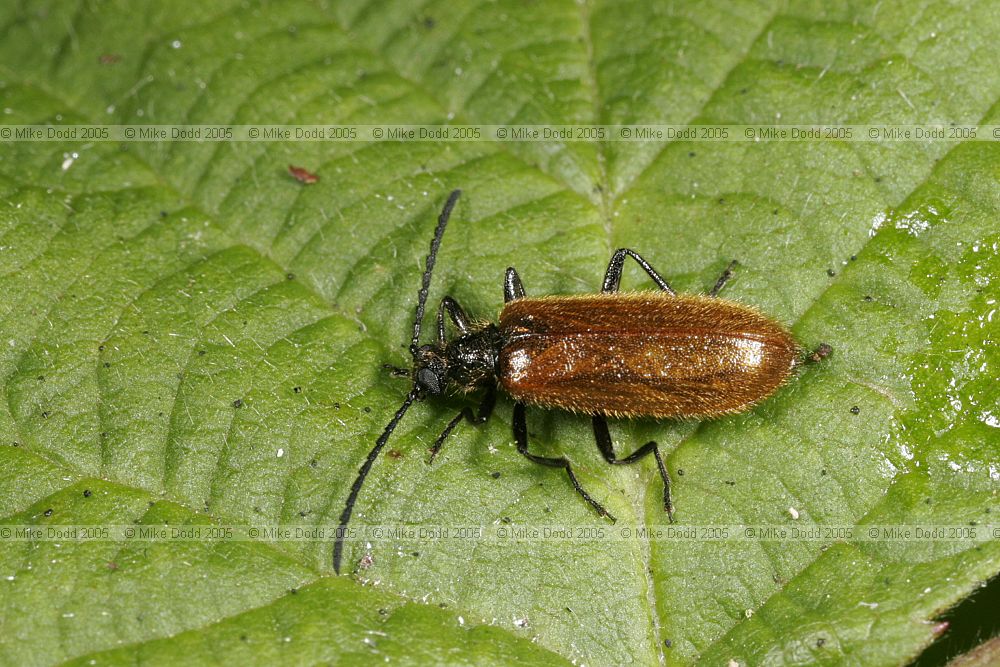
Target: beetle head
pixel 430 370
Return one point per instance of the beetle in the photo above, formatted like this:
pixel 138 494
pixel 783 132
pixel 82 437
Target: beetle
pixel 645 354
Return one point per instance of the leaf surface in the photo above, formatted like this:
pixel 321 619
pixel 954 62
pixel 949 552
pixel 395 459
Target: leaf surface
pixel 190 336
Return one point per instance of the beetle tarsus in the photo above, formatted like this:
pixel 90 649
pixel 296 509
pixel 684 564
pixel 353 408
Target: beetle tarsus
pixel 480 417
pixel 603 438
pixel 436 447
pixel 521 437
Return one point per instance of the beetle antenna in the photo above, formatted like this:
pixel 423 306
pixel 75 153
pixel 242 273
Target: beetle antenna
pixel 345 516
pixel 431 258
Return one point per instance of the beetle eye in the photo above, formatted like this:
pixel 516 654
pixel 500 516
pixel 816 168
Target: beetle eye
pixel 429 380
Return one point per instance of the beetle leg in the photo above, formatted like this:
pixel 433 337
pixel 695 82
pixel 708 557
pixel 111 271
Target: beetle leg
pixel 723 279
pixel 512 286
pixel 613 276
pixel 603 438
pixel 480 417
pixel 456 314
pixel 521 437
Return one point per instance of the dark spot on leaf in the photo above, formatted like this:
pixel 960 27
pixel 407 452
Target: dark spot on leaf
pixel 41 378
pixel 691 154
pixel 506 519
pixel 336 406
pixel 823 471
pixel 668 643
pixel 238 403
pixel 293 591
pixel 868 298
pixel 201 353
pixel 495 475
pixel 87 493
pixel 107 364
pixel 100 348
pixel 367 409
pixel 416 554
pixel 297 390
pixel 855 410
pixel 314 463
pixel 680 472
pixel 45 415
pixel 854 258
pixel 821 352
pixel 48 512
pixel 820 641
pixel 383 612
pixel 831 273
pixel 774 212
pixel 730 482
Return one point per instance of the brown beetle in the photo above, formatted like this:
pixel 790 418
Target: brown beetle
pixel 647 354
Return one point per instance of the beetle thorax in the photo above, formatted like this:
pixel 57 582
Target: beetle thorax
pixel 472 357
pixel 466 362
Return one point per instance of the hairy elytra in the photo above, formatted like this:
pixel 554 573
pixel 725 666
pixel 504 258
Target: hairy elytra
pixel 642 355
pixel 612 354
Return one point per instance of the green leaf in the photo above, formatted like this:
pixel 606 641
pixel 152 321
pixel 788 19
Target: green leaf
pixel 189 337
